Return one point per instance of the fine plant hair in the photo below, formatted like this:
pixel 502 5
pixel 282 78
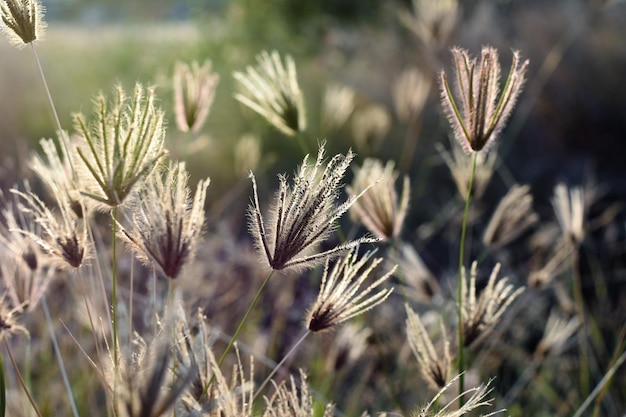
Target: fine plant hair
pixel 304 215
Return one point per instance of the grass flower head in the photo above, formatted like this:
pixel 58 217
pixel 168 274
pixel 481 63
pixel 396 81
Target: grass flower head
pixel 303 215
pixel 380 210
pixel 167 224
pixel 481 111
pixel 121 146
pixel 194 89
pixel 339 298
pixel 481 314
pixel 22 21
pixel 271 89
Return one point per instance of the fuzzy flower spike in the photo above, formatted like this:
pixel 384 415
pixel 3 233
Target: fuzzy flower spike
pixel 304 215
pixel 121 146
pixel 271 89
pixel 482 111
pixel 22 21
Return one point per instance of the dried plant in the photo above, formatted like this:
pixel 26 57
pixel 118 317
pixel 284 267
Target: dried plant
pixel 481 314
pixel 166 223
pixel 410 92
pixel 482 114
pixel 546 268
pixel 247 154
pixel 121 146
pixel 513 216
pixel 194 89
pixel 461 169
pixel 434 367
pixel 369 127
pixel 303 216
pixel 380 210
pixel 349 344
pixel 337 106
pixel 556 335
pixel 272 90
pixel 569 207
pixel 475 400
pixel 9 319
pixel 63 236
pixel 293 401
pixel 24 286
pixel 22 21
pixel 339 298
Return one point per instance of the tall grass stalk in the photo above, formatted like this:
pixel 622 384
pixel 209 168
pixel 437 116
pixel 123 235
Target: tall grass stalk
pixel 460 283
pixel 3 390
pixel 280 364
pixel 239 328
pixel 582 338
pixel 114 286
pixel 57 352
pixel 19 378
pixel 82 289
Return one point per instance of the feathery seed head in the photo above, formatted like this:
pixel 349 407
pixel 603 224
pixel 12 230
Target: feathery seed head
pixel 569 207
pixel 293 401
pixel 271 89
pixel 419 282
pixel 379 210
pixel 8 319
pixel 22 21
pixel 337 106
pixel 121 146
pixel 303 215
pixel 247 154
pixel 554 263
pixel 339 298
pixel 410 91
pixel 369 127
pixel 63 235
pixel 513 216
pixel 432 21
pixel 481 314
pixel 167 224
pixel 434 368
pixel 194 90
pixel 483 111
pixel 556 335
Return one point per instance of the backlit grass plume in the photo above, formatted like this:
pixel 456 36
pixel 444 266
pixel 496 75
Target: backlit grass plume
pixel 167 223
pixel 194 89
pixel 340 297
pixel 121 145
pixel 304 215
pixel 480 314
pixel 22 21
pixel 479 112
pixel 380 211
pixel 271 89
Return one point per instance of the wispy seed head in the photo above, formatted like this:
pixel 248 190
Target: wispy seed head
pixel 22 21
pixel 194 89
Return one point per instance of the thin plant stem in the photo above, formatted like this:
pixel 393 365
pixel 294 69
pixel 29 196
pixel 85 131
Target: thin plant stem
pixel 54 110
pixel 239 328
pixel 601 385
pixel 57 352
pixel 600 396
pixel 460 283
pixel 81 286
pixel 131 297
pixel 19 378
pixel 114 287
pixel 580 311
pixel 280 364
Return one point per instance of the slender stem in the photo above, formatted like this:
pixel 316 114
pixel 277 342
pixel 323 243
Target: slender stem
pixel 239 328
pixel 54 110
pixel 57 352
pixel 278 366
pixel 81 286
pixel 3 389
pixel 20 379
pixel 460 283
pixel 114 289
pixel 582 337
